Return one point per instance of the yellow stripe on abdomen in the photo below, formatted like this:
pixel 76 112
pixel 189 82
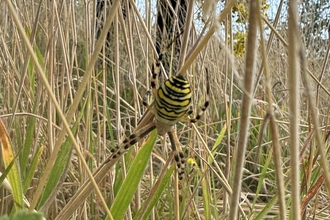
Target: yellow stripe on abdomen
pixel 172 100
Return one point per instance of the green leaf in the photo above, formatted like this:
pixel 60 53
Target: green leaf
pixel 5 173
pixel 157 191
pixel 32 169
pixel 206 198
pixel 23 214
pixel 57 171
pixel 59 165
pixel 219 139
pixel 29 137
pixel 134 175
pixel 263 176
pixel 8 157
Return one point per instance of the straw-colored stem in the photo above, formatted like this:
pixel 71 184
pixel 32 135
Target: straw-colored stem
pixel 293 84
pixel 250 61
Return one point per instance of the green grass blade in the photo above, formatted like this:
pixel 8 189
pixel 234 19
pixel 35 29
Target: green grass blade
pixel 13 174
pixel 157 191
pixel 32 169
pixel 58 169
pixel 134 175
pixel 23 214
pixel 219 139
pixel 263 175
pixel 60 164
pixel 4 174
pixel 28 143
pixel 261 215
pixel 206 198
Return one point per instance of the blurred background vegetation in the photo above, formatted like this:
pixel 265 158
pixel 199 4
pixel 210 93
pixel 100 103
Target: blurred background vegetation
pixel 64 35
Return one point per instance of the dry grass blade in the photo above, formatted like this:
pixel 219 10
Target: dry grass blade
pixel 250 60
pixel 294 79
pixel 325 62
pixel 87 188
pixel 197 48
pixel 315 119
pixel 273 125
pixel 311 193
pixel 66 123
pixel 186 33
pixel 84 191
pixel 92 61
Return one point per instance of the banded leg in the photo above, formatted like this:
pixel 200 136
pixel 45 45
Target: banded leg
pixel 145 100
pixel 179 157
pixel 203 107
pixel 131 140
pixel 155 70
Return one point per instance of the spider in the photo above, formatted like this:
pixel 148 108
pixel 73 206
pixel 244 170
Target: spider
pixel 172 104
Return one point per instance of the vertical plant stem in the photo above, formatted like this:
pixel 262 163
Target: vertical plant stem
pixel 228 108
pixel 273 125
pixel 206 38
pixel 186 32
pixel 66 121
pixel 315 120
pixel 246 108
pixel 293 84
pixel 117 78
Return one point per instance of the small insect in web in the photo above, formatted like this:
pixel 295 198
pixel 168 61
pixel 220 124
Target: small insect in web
pixel 171 104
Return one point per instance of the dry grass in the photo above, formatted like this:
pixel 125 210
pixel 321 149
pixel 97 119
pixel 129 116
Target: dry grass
pixel 66 99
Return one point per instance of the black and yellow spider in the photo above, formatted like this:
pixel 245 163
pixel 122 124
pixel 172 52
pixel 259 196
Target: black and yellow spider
pixel 172 104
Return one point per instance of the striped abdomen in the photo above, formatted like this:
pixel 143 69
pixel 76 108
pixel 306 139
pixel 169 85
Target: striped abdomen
pixel 172 100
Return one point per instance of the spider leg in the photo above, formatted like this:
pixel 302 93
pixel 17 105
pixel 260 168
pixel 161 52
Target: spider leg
pixel 131 140
pixel 145 100
pixel 156 67
pixel 179 157
pixel 203 107
pixel 156 74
